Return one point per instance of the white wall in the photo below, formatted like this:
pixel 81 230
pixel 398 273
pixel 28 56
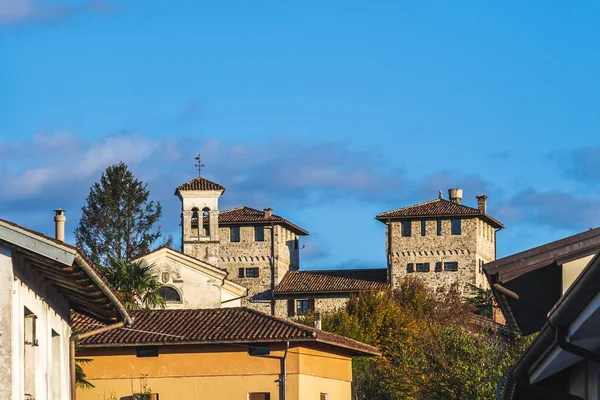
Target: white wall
pixel 29 289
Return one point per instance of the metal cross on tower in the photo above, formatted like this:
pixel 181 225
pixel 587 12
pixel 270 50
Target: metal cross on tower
pixel 199 164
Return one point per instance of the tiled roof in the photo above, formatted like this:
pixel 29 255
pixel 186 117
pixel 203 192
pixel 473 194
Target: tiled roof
pixel 241 215
pixel 88 291
pixel 200 183
pixel 349 280
pixel 211 326
pixel 437 208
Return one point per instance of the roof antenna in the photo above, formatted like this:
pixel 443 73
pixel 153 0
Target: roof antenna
pixel 441 195
pixel 199 165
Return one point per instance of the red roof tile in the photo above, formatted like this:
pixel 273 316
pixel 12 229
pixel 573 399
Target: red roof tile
pixel 437 208
pixel 211 326
pixel 327 281
pixel 243 215
pixel 200 183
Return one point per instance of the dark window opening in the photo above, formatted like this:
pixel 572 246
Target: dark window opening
pixel 194 222
pixel 451 266
pixel 438 266
pixel 420 267
pixel 259 396
pixel 206 221
pixel 146 351
pixel 169 294
pixel 455 224
pixel 304 306
pixel 235 233
pixel 423 228
pixel 439 227
pixel 291 308
pixel 259 233
pixel 252 272
pixel 406 228
pixel 410 267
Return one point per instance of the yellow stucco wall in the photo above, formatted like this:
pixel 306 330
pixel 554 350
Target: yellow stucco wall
pixel 217 372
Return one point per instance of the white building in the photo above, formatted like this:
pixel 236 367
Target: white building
pixel 41 280
pixel 191 283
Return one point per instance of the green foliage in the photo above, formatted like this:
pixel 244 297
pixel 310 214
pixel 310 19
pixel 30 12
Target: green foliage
pixel 481 300
pixel 136 284
pixel 429 348
pixel 118 222
pixel 80 376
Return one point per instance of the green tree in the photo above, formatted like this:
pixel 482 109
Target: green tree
pixel 430 350
pixel 118 221
pixel 136 283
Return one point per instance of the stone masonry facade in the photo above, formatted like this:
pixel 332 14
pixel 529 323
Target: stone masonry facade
pixel 470 249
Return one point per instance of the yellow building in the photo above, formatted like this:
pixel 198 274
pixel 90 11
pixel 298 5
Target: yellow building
pixel 229 353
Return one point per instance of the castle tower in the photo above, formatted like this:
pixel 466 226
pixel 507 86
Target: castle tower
pixel 441 241
pixel 200 219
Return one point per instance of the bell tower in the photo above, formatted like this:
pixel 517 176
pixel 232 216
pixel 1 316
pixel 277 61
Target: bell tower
pixel 200 219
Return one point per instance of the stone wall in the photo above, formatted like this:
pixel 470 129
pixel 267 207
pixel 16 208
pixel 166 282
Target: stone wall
pixel 432 248
pixel 324 303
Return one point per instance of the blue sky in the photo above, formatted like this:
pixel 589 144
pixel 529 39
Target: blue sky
pixel 328 112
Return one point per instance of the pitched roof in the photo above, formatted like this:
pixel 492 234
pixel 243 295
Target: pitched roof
pixel 211 326
pixel 437 208
pixel 333 281
pixel 200 183
pixel 244 215
pixel 67 268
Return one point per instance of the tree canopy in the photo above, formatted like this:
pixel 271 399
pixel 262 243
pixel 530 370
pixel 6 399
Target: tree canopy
pixel 118 222
pixel 430 350
pixel 136 283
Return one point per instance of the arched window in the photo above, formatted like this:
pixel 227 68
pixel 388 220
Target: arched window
pixel 206 221
pixel 170 295
pixel 194 223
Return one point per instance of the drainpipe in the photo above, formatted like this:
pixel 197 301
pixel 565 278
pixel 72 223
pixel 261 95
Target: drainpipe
pixel 284 372
pixel 78 338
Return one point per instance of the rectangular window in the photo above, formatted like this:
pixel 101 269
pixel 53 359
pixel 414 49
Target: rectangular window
pixel 438 266
pixel 56 369
pixel 406 228
pixel 259 396
pixel 291 308
pixel 252 272
pixel 451 266
pixel 420 267
pixel 259 233
pixel 423 228
pixel 146 351
pixel 439 227
pixel 455 226
pixel 241 273
pixel 235 233
pixel 304 306
pixel 410 267
pixel 29 348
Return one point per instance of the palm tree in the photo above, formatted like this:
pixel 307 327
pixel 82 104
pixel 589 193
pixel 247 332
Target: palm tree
pixel 136 284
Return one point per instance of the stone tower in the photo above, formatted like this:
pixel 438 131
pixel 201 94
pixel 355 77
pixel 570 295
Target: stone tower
pixel 200 219
pixel 441 241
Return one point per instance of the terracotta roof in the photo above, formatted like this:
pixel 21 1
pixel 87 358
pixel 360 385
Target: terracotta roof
pixel 437 208
pixel 327 281
pixel 245 215
pixel 211 326
pixel 200 183
pixel 81 288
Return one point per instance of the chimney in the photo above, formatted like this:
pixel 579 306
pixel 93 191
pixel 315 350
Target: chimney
pixel 59 224
pixel 481 202
pixel 317 320
pixel 268 212
pixel 455 195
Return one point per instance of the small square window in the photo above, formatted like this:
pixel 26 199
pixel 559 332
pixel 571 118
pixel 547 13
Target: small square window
pixel 235 233
pixel 420 267
pixel 423 228
pixel 451 266
pixel 439 227
pixel 455 226
pixel 302 307
pixel 406 228
pixel 259 233
pixel 146 351
pixel 252 272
